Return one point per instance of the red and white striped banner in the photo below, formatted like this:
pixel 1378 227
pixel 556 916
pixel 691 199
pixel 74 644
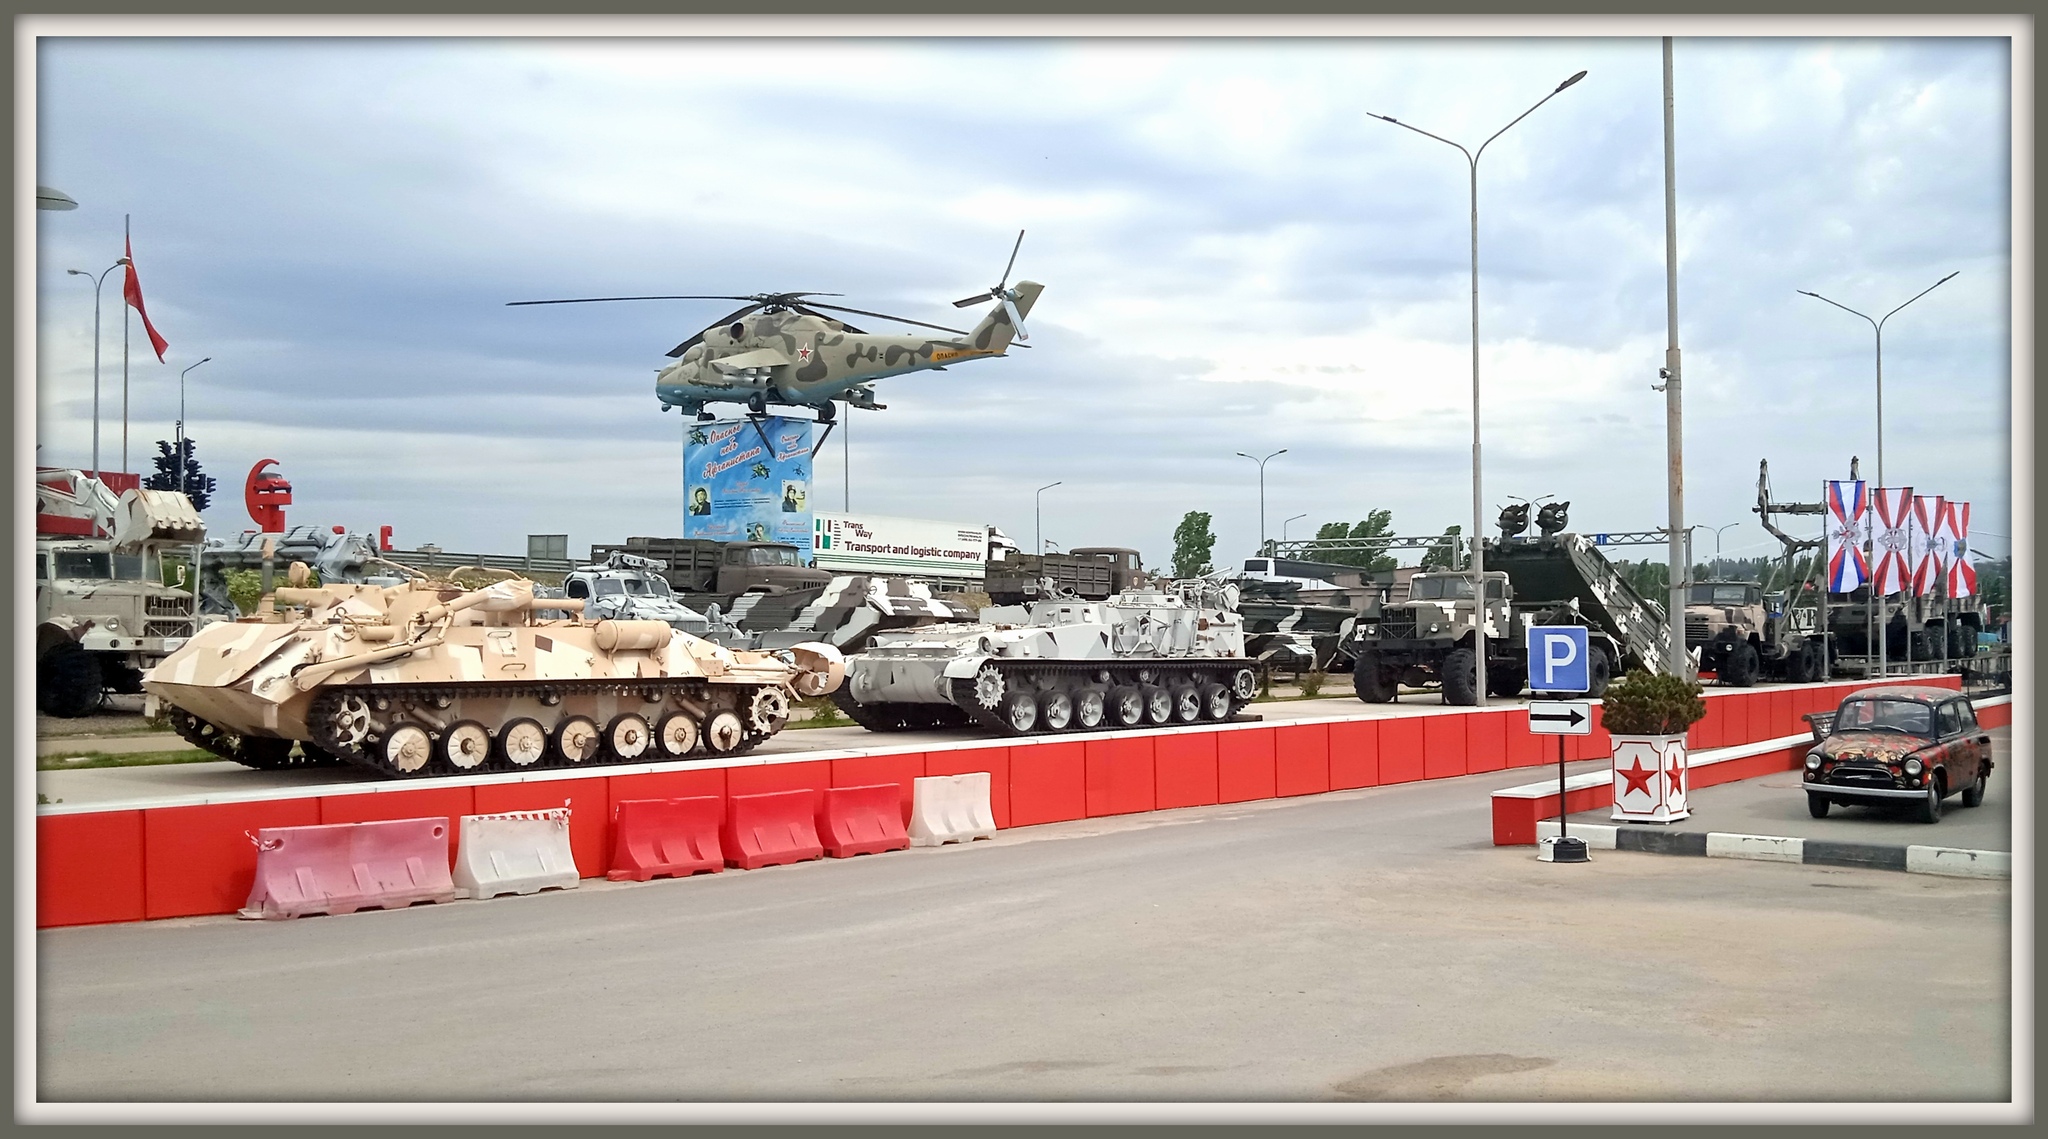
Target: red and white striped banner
pixel 1924 544
pixel 1891 535
pixel 1962 576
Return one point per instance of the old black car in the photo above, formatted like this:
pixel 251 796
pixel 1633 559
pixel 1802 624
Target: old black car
pixel 1908 744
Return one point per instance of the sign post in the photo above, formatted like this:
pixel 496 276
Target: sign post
pixel 1557 665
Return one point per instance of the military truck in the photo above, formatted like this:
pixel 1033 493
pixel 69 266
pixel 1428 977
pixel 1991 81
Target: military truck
pixel 628 587
pixel 1741 634
pixel 699 565
pixel 1430 639
pixel 104 615
pixel 1093 573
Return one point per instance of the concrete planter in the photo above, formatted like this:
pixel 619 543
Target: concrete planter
pixel 1650 778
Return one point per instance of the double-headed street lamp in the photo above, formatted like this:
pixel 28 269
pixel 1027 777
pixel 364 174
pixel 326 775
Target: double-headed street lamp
pixel 182 461
pixel 1037 523
pixel 96 355
pixel 1478 521
pixel 1262 491
pixel 1877 326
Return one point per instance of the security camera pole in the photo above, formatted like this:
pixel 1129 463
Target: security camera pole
pixel 1674 411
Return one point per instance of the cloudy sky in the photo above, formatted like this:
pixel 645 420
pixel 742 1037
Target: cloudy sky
pixel 1235 258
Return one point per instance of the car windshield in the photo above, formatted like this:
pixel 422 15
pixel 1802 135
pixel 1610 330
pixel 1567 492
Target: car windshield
pixel 1451 588
pixel 1737 594
pixel 770 556
pixel 1884 716
pixel 658 586
pixel 83 564
pixel 636 586
pixel 609 587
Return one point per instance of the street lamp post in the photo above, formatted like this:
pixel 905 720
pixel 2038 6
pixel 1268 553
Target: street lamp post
pixel 1877 327
pixel 1478 533
pixel 1283 525
pixel 182 462
pixel 1262 491
pixel 1717 544
pixel 1037 523
pixel 96 355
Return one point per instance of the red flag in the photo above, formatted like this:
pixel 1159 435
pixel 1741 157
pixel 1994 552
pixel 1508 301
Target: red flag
pixel 131 290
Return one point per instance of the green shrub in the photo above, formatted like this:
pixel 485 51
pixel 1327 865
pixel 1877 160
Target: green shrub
pixel 1312 682
pixel 1643 705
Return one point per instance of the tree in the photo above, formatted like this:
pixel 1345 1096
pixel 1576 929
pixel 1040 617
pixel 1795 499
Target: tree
pixel 198 484
pixel 1377 524
pixel 1192 541
pixel 1443 554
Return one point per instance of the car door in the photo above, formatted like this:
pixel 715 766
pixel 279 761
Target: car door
pixel 1957 756
pixel 1975 739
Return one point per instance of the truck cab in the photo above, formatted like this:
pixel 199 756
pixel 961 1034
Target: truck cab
pixel 769 566
pixel 104 615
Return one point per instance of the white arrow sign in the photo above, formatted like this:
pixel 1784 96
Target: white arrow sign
pixel 1560 718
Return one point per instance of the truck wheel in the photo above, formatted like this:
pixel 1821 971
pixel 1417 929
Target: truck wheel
pixel 1460 680
pixel 68 681
pixel 1738 666
pixel 1799 663
pixel 1370 682
pixel 1599 670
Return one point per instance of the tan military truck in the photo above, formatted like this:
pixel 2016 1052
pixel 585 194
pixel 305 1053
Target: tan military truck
pixel 1740 637
pixel 104 614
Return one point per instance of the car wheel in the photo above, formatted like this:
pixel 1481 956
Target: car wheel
pixel 1973 795
pixel 1930 804
pixel 1817 805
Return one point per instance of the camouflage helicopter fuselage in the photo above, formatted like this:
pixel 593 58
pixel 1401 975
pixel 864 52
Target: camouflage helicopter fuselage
pixel 790 358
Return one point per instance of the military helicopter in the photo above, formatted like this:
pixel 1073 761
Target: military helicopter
pixel 779 350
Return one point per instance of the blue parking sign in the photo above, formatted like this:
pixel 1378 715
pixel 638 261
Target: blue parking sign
pixel 1557 659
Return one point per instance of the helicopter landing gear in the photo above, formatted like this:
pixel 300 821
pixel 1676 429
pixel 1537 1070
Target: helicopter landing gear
pixel 705 417
pixel 757 404
pixel 825 412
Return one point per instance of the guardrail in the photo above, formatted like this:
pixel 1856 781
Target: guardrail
pixel 446 559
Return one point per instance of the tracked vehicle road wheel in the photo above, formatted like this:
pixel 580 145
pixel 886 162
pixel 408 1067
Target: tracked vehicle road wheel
pixel 1126 706
pixel 1091 707
pixel 408 748
pixel 1158 704
pixel 990 687
pixel 677 735
pixel 724 733
pixel 350 722
pixel 523 742
pixel 627 736
pixel 769 710
pixel 1244 685
pixel 1056 710
pixel 1019 712
pixel 1215 701
pixel 1187 703
pixel 577 739
pixel 466 746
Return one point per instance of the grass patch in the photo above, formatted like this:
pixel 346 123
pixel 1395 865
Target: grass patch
pixel 73 761
pixel 823 714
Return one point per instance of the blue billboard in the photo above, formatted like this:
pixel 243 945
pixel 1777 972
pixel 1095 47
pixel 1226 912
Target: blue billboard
pixel 743 485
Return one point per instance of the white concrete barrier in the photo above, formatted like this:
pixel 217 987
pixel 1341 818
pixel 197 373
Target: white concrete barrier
pixel 950 808
pixel 1954 863
pixel 518 852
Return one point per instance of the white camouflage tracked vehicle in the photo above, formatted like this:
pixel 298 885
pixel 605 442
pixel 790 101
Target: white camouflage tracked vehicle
pixel 1141 657
pixel 427 679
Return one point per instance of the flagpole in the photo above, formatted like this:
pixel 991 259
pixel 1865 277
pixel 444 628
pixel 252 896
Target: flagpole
pixel 124 353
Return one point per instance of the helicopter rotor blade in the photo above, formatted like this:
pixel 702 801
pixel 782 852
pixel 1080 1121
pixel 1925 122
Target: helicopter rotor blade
pixel 1013 261
pixel 974 300
pixel 898 319
pixel 595 300
pixel 1016 320
pixel 693 341
pixel 821 316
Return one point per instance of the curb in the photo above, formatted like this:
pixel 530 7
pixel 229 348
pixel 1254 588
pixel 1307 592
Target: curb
pixel 1947 861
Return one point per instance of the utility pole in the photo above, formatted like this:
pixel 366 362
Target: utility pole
pixel 1674 410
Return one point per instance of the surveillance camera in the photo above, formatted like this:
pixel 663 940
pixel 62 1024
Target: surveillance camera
pixel 1663 373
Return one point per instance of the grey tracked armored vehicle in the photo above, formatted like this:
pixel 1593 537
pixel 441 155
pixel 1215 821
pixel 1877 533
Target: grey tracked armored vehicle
pixel 1141 657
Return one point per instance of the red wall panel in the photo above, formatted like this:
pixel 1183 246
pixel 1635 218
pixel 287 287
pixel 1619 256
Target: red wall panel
pixel 590 814
pixel 450 803
pixel 1185 767
pixel 1401 749
pixel 1596 744
pixel 664 785
pixel 1301 759
pixel 1048 783
pixel 1486 740
pixel 867 770
pixel 1782 722
pixel 200 860
pixel 1244 765
pixel 1354 754
pixel 994 760
pixel 1999 716
pixel 89 868
pixel 1443 746
pixel 1120 777
pixel 1525 749
pixel 815 775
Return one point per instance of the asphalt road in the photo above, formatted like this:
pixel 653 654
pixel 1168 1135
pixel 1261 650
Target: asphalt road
pixel 1361 945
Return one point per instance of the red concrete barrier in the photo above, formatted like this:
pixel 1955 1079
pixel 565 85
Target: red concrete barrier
pixel 1245 767
pixel 1120 776
pixel 1301 759
pixel 340 868
pixel 89 868
pixel 771 829
pixel 862 820
pixel 666 838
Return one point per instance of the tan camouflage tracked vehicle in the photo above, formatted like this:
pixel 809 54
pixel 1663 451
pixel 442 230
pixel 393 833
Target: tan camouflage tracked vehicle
pixel 425 678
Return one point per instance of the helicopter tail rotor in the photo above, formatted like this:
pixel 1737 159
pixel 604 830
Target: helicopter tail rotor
pixel 1001 292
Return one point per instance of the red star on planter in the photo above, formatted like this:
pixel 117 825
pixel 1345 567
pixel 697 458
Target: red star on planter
pixel 1676 775
pixel 1637 776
